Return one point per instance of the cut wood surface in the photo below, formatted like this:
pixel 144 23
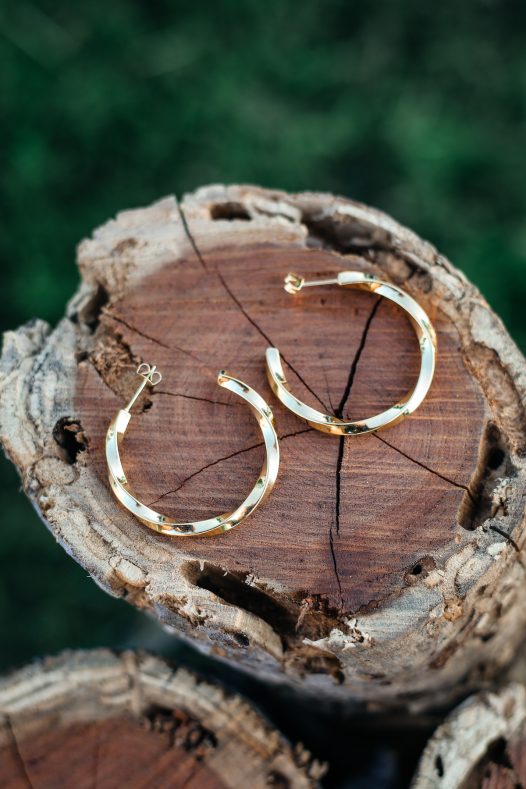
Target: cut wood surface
pixel 481 745
pixel 96 719
pixel 383 568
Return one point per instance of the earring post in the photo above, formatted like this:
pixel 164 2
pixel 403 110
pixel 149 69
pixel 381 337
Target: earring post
pixel 148 377
pixel 313 282
pixel 293 283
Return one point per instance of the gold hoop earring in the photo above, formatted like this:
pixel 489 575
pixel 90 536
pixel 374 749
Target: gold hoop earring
pixel 328 423
pixel 220 523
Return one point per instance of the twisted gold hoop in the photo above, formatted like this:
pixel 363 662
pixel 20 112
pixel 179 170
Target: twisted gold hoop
pixel 221 523
pixel 328 423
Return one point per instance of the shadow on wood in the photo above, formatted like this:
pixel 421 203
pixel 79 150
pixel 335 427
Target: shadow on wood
pixel 385 568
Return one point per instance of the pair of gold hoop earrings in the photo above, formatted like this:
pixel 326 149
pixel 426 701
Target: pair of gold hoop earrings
pixel 326 423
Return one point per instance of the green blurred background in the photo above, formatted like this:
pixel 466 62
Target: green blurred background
pixel 415 107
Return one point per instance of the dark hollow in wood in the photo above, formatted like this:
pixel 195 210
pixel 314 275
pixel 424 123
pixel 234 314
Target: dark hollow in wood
pixel 480 745
pixel 353 513
pixel 95 719
pixel 106 754
pixel 384 568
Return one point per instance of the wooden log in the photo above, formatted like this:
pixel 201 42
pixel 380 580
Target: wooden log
pixel 97 719
pixel 481 745
pixel 384 568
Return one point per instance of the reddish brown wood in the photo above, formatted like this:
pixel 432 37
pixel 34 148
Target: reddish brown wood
pixel 105 754
pixel 517 754
pixel 384 568
pixel 94 719
pixel 199 452
pixel 496 777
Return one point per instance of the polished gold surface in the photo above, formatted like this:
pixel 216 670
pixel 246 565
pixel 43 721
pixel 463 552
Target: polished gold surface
pixel 220 523
pixel 328 423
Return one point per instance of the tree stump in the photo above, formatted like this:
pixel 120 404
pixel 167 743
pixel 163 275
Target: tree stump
pixel 481 745
pixel 384 568
pixel 96 719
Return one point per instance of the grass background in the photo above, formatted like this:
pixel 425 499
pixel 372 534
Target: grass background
pixel 417 108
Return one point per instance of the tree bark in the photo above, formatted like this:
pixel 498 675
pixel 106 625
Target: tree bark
pixel 384 568
pixel 481 745
pixel 96 719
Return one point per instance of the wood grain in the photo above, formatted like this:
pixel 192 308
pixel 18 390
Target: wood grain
pixel 106 754
pixel 197 452
pixel 384 568
pixel 93 719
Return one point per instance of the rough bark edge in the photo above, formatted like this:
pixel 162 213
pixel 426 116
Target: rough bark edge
pixel 349 228
pixel 135 244
pixel 466 735
pixel 96 685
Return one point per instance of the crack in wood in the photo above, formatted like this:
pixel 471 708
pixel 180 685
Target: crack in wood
pixel 425 467
pixel 341 446
pixel 339 463
pixel 190 237
pixel 268 340
pixel 506 536
pixel 335 566
pixel 172 347
pixel 18 755
pixel 265 336
pixel 357 356
pixel 139 332
pixel 199 399
pixel 221 459
pixel 365 584
pixel 334 528
pixel 96 760
pixel 343 400
pixel 193 774
pixel 242 309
